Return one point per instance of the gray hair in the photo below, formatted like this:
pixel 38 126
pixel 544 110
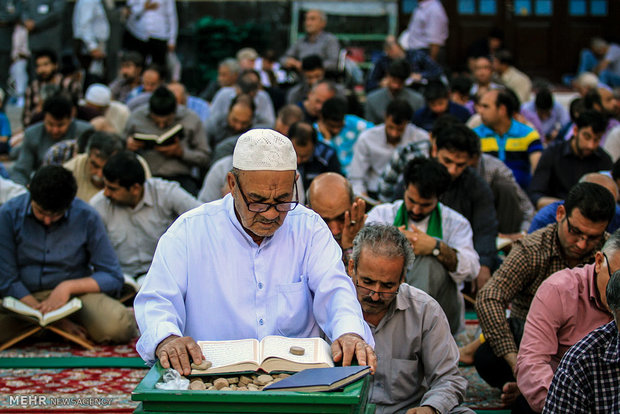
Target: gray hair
pixel 612 245
pixel 232 64
pixel 321 13
pixel 105 143
pixel 613 295
pixel 598 43
pixel 383 240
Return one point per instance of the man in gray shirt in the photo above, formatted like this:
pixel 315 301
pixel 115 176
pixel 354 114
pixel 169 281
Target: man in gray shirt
pixel 137 211
pixel 189 149
pixel 419 358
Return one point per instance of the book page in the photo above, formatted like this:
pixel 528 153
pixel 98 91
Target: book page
pixel 20 307
pixel 73 305
pixel 317 350
pixel 169 134
pixel 224 353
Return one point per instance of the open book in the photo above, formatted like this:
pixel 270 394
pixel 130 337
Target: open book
pixel 167 138
pixel 271 354
pixel 21 308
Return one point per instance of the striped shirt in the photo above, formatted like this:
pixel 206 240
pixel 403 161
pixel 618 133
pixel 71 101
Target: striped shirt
pixel 513 148
pixel 588 378
pixel 531 260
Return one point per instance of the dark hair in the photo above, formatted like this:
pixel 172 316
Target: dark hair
pixel 131 56
pixel 457 137
pixel 399 110
pixel 334 109
pixel 436 89
pixel 594 201
pixel 429 176
pixel 576 107
pixel 311 62
pixel 48 53
pixel 591 98
pixel 105 143
pixel 246 81
pixel 615 170
pixel 592 118
pixel 612 292
pixel 504 56
pixel 496 33
pixel 461 84
pixel 243 99
pixel 58 106
pixel 508 98
pixel 400 69
pixel 53 188
pixel 303 134
pixel 162 102
pixel 289 114
pixel 544 99
pixel 124 168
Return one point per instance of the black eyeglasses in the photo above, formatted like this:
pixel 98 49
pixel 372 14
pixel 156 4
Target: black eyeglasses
pixel 608 268
pixel 581 235
pixel 262 207
pixel 369 292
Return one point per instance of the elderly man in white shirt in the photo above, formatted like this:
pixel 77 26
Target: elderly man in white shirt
pixel 252 264
pixel 442 239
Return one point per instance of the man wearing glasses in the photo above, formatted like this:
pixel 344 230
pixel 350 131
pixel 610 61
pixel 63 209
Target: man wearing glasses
pixel 567 306
pixel 419 358
pixel 250 265
pixel 579 231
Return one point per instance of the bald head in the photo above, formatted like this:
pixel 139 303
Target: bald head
pixel 330 195
pixel 602 179
pixel 179 92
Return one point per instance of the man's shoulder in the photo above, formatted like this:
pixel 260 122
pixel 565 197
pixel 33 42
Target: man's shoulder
pixel 453 215
pixel 412 299
pixel 541 240
pixel 82 126
pixel 410 94
pixel 590 348
pixel 34 131
pixel 384 213
pixel 483 131
pixel 520 130
pixel 374 133
pixel 377 95
pixel 568 280
pixel 14 206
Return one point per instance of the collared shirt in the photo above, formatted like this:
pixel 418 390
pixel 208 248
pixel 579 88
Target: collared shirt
pixel 372 152
pixel 200 107
pixel 513 148
pixel 588 378
pixel 159 23
pixel 33 99
pixel 428 25
pixel 531 260
pixel 417 358
pixel 121 88
pixel 209 280
pixel 559 169
pixel 90 23
pixel 557 118
pixel 457 234
pixel 196 150
pixel 566 308
pixel 425 118
pixel 345 140
pixel 34 257
pixel 420 63
pixel 324 44
pixel 134 232
pixel 35 145
pixel 323 159
pixel 546 215
pixel 378 100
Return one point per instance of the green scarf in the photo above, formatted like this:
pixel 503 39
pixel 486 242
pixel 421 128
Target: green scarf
pixel 434 222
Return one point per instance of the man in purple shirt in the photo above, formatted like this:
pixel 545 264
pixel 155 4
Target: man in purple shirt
pixel 567 306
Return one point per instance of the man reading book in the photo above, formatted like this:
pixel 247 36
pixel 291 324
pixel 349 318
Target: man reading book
pixel 252 264
pixel 418 372
pixel 53 246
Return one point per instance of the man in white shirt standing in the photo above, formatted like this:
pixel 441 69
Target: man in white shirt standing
pixel 152 28
pixel 250 265
pixel 442 239
pixel 428 28
pixel 91 28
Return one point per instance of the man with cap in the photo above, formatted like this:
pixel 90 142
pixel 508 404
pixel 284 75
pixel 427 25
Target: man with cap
pixel 98 99
pixel 252 264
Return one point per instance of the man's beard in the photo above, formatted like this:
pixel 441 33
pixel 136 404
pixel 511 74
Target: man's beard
pixel 416 217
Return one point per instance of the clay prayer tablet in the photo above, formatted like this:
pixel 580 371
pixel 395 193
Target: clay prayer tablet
pixel 297 350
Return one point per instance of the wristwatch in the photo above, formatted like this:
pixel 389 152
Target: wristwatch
pixel 436 250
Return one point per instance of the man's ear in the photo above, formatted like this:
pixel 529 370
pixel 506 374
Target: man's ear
pixel 560 213
pixel 433 148
pixel 230 180
pixel 598 261
pixel 351 268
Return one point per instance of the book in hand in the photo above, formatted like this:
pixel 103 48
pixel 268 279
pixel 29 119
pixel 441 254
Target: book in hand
pixel 167 138
pixel 21 308
pixel 272 354
pixel 320 379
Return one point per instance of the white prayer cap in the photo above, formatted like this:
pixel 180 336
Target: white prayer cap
pixel 264 149
pixel 98 94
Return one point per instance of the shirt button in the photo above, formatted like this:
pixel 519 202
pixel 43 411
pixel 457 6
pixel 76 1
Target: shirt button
pixel 260 322
pixel 260 285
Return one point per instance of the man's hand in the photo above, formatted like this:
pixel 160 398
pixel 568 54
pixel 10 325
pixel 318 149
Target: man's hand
pixel 134 144
pixel 353 222
pixel 350 344
pixel 176 351
pixel 510 393
pixel 421 410
pixel 483 277
pixel 422 243
pixel 292 63
pixel 171 151
pixel 150 6
pixel 30 301
pixel 59 296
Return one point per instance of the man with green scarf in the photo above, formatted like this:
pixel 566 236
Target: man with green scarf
pixel 442 239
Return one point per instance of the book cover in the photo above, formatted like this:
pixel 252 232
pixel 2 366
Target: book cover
pixel 19 307
pixel 167 138
pixel 320 379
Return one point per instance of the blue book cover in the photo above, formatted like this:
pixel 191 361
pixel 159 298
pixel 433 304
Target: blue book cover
pixel 320 379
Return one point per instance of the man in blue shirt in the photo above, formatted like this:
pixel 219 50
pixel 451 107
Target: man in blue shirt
pixel 313 156
pixel 438 103
pixel 53 247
